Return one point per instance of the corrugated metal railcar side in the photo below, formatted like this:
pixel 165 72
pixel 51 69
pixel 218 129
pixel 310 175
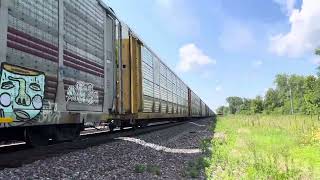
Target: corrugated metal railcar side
pixel 203 109
pixel 208 111
pixel 195 106
pixel 57 61
pixel 162 89
pixel 153 91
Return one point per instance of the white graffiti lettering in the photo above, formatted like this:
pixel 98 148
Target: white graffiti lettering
pixel 50 114
pixel 82 92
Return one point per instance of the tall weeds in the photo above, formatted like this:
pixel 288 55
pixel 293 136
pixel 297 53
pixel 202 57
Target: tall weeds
pixel 265 147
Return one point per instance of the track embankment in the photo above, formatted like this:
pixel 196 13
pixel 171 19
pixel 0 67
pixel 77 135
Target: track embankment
pixel 157 152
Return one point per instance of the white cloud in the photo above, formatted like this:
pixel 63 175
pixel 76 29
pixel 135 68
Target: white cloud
pixel 304 34
pixel 219 88
pixel 286 5
pixel 257 64
pixel 192 57
pixel 236 37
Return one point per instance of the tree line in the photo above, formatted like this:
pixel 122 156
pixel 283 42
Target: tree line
pixel 292 94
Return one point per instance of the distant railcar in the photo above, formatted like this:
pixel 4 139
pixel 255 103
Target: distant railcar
pixel 195 105
pixel 65 63
pixel 151 91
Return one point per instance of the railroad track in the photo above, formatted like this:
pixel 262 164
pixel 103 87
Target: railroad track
pixel 18 145
pixel 15 155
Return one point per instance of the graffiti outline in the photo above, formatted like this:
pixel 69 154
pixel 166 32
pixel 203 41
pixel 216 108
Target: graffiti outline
pixel 21 93
pixel 83 93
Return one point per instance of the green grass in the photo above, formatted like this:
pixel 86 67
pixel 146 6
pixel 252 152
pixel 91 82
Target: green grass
pixel 153 169
pixel 139 168
pixel 195 167
pixel 265 147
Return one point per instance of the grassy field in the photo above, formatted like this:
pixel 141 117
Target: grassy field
pixel 265 147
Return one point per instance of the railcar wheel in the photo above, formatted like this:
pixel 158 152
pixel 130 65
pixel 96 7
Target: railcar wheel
pixel 135 126
pixel 75 134
pixel 111 127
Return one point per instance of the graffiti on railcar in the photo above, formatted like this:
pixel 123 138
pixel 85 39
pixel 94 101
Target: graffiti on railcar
pixel 83 93
pixel 21 94
pixel 50 114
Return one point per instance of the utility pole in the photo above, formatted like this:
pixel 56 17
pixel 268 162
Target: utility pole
pixel 290 94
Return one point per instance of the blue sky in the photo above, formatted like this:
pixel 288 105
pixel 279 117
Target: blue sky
pixel 224 48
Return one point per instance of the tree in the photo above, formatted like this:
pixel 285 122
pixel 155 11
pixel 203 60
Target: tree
pixel 257 105
pixel 220 110
pixel 318 71
pixel 296 84
pixel 310 96
pixel 290 90
pixel 245 107
pixel 300 94
pixel 281 82
pixel 317 52
pixel 234 104
pixel 226 110
pixel 271 100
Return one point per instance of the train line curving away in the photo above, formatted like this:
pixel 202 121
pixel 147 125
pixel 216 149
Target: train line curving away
pixel 67 63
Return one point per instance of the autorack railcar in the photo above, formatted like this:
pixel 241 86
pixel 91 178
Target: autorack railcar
pixel 150 90
pixel 67 62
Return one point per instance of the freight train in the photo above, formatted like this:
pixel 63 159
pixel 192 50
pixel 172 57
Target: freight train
pixel 65 63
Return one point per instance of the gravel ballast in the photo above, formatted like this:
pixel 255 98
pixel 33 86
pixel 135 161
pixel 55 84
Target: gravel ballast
pixel 121 159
